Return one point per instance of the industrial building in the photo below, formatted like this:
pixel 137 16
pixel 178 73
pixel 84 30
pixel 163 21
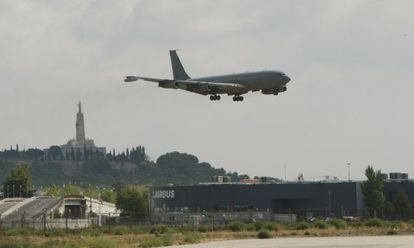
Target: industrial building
pixel 305 199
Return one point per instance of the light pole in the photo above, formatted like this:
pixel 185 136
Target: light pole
pixel 329 204
pixel 349 171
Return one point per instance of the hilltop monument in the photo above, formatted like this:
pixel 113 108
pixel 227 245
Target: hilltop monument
pixel 81 148
pixel 80 124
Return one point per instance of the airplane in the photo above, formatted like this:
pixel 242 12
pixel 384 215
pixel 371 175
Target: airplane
pixel 268 82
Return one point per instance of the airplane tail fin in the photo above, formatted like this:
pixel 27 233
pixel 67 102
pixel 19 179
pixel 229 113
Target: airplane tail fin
pixel 178 69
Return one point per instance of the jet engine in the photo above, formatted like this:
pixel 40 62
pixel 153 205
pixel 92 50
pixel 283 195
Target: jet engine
pixel 269 91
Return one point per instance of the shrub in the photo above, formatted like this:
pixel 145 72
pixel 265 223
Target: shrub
pixel 307 233
pixel 236 226
pixel 160 229
pixel 251 227
pixel 121 230
pixel 264 234
pixel 338 223
pixel 302 226
pixel 375 222
pixel 321 224
pixel 392 232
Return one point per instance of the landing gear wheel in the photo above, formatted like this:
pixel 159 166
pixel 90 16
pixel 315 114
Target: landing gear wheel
pixel 214 97
pixel 238 98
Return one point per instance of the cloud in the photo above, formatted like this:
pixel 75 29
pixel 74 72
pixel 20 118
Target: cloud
pixel 350 98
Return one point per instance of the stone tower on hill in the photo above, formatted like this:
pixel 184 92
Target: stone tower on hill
pixel 80 125
pixel 80 148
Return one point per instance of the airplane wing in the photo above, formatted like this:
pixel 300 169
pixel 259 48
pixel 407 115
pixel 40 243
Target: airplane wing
pixel 194 86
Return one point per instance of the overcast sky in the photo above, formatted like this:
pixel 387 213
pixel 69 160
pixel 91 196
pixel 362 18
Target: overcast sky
pixel 350 98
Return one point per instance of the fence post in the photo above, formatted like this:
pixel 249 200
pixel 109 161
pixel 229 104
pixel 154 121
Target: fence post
pixel 44 222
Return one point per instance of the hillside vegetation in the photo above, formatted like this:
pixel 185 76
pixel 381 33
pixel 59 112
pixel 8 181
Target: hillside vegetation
pixel 171 168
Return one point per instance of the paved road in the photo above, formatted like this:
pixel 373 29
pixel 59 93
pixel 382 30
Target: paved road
pixel 313 242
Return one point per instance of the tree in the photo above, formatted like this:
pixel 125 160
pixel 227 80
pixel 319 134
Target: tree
pixel 34 153
pixel 53 190
pixel 71 189
pixel 108 196
pixel 133 201
pixel 18 182
pixel 389 210
pixel 402 206
pixel 373 191
pixel 55 152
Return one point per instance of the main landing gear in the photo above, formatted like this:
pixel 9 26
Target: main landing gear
pixel 238 98
pixel 215 98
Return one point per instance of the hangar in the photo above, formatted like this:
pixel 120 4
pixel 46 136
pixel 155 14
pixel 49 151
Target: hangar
pixel 305 199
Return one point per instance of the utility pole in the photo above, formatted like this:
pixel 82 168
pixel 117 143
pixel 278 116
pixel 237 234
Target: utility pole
pixel 349 171
pixel 285 172
pixel 329 204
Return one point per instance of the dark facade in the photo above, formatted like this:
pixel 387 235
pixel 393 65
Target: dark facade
pixel 304 199
pixel 391 188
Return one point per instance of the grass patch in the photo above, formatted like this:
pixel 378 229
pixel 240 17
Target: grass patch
pixel 17 244
pixel 18 232
pixel 55 233
pixel 100 243
pixel 191 238
pixel 121 230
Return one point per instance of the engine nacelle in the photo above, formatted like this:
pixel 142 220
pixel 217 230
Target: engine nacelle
pixel 269 91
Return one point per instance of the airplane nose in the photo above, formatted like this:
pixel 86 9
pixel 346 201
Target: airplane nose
pixel 286 78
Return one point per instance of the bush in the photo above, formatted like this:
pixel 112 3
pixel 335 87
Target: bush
pixel 375 222
pixel 321 224
pixel 251 227
pixel 264 234
pixel 121 230
pixel 271 226
pixel 392 232
pixel 338 223
pixel 160 229
pixel 307 233
pixel 236 226
pixel 301 226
